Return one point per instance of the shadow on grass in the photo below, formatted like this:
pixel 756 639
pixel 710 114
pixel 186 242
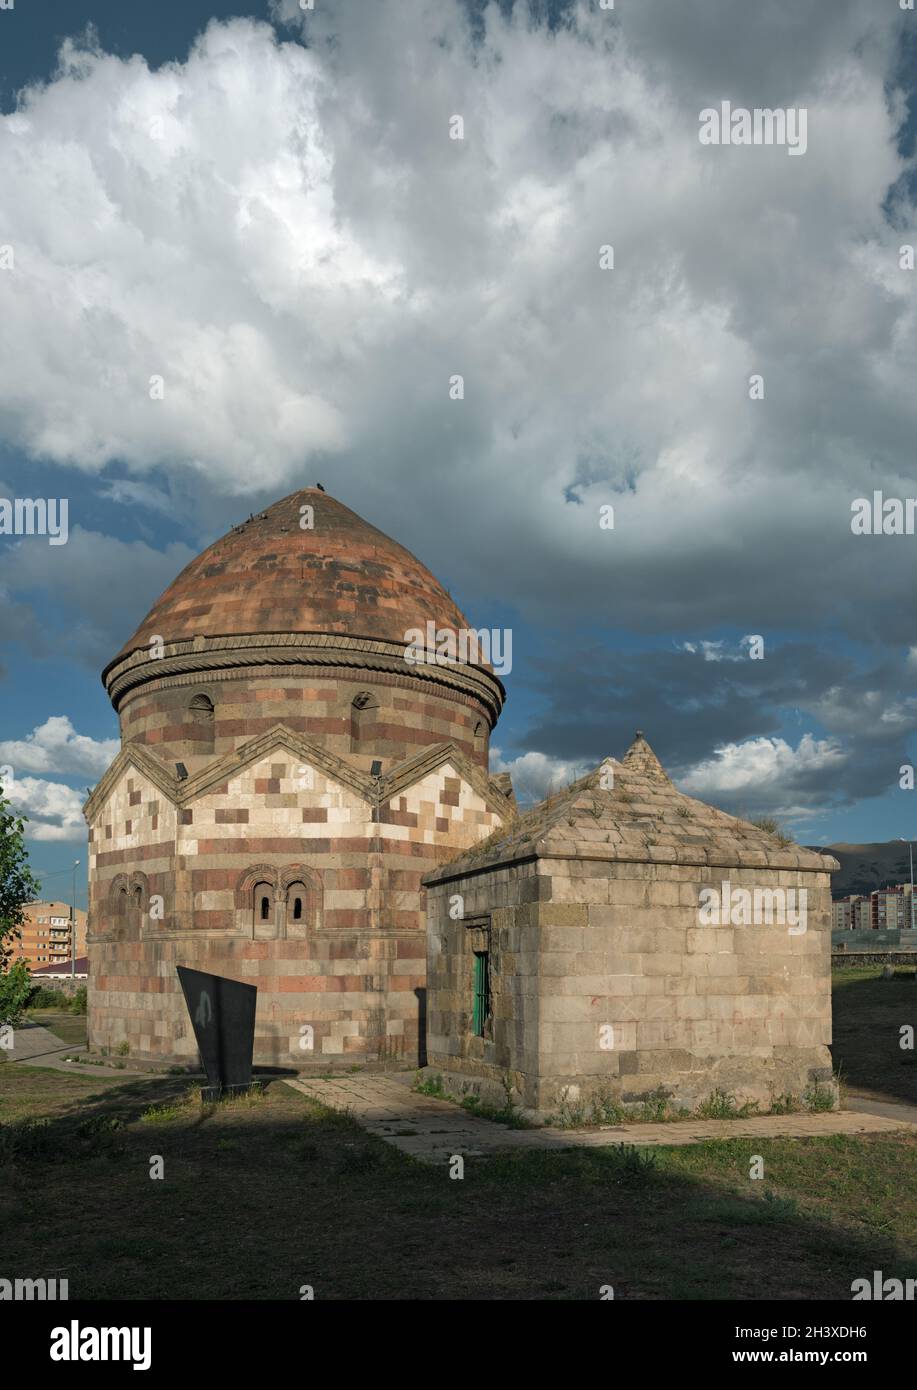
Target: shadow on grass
pixel 263 1195
pixel 869 1014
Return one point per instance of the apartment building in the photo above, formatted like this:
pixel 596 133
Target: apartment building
pixel 46 934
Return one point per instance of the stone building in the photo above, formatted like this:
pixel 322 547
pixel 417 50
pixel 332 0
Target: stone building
pixel 621 938
pixel 286 778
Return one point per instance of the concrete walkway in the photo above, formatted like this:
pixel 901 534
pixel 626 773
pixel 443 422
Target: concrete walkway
pixel 895 1110
pixel 37 1046
pixel 432 1130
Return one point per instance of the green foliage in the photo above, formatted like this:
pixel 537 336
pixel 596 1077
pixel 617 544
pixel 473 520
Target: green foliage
pixel 78 1002
pixel 18 885
pixel 570 1115
pixel 25 1139
pixel 772 827
pixel 631 1162
pixel 429 1086
pixel 654 1109
pixel 721 1105
pixel 160 1114
pixel 45 998
pixel 501 1114
pixel 818 1097
pixel 606 1108
pixel 15 993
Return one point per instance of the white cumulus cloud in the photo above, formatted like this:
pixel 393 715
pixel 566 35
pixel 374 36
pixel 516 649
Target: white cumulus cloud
pixel 55 746
pixel 536 775
pixel 54 810
pixel 765 773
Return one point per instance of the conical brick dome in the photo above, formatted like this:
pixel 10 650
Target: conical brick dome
pixel 304 592
pixel 271 575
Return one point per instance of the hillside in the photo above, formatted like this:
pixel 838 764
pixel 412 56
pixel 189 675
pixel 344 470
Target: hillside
pixel 865 867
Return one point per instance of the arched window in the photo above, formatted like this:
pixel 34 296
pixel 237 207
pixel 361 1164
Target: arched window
pixel 480 737
pixel 263 909
pixel 364 713
pixel 299 914
pixel 200 715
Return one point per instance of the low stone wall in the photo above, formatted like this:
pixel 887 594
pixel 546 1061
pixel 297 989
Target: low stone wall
pixel 65 985
pixel 854 958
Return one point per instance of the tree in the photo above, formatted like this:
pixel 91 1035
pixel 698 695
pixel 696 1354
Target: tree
pixel 16 989
pixel 18 886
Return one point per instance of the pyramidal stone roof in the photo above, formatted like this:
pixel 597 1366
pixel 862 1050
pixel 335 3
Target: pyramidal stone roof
pixel 630 810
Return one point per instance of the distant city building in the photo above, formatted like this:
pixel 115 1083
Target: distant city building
pixel 45 936
pixel 851 913
pixel 885 909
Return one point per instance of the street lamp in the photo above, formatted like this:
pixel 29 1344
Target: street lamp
pixel 910 845
pixel 76 865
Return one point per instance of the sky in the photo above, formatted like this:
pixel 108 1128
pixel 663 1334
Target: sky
pixel 267 207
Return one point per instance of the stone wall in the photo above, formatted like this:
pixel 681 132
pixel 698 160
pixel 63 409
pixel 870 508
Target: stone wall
pixel 401 716
pixel 179 881
pixel 605 983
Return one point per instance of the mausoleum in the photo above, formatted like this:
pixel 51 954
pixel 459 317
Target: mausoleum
pixel 622 940
pixel 286 778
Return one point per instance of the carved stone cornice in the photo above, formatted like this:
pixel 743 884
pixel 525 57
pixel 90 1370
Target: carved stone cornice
pixel 210 656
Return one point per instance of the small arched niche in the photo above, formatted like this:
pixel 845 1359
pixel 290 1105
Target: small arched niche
pixel 201 718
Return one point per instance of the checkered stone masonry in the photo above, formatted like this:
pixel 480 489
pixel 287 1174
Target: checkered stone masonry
pixel 286 780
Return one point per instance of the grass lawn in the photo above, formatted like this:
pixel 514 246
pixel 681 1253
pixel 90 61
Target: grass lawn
pixel 263 1195
pixel 70 1028
pixel 869 1013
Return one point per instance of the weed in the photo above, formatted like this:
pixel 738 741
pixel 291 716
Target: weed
pixel 817 1097
pixel 362 1160
pixel 429 1085
pixel 654 1108
pixel 722 1105
pixel 631 1162
pixel 160 1114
